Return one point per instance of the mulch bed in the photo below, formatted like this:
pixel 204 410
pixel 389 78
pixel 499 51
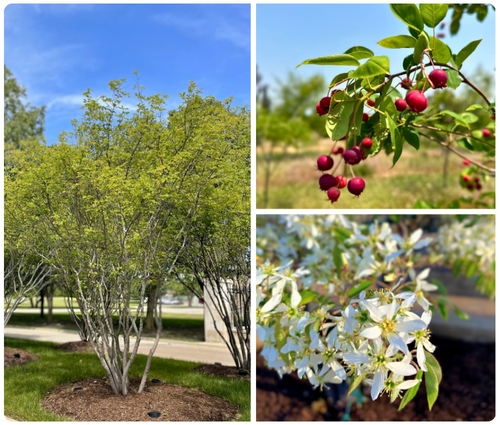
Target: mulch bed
pixel 24 357
pixel 97 402
pixel 220 370
pixel 467 392
pixel 75 346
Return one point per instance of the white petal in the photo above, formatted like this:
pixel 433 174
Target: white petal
pixel 423 274
pixel 339 370
pixel 401 368
pixel 378 384
pixel 375 313
pixel 393 307
pixel 296 298
pixel 421 357
pixel 429 346
pixel 371 333
pixel 397 342
pixel 273 302
pixel 410 326
pixel 415 236
pixel 427 316
pixel 408 384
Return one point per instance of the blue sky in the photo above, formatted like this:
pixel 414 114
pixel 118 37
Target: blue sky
pixel 59 51
pixel 289 34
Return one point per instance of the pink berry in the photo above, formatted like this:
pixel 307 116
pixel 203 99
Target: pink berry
pixel 370 102
pixel 486 133
pixel 326 181
pixel 466 178
pixel 439 78
pixel 443 24
pixel 466 162
pixel 356 186
pixel 352 155
pixel 333 194
pixel 325 102
pixel 341 150
pixel 340 182
pixel 335 151
pixel 400 105
pixel 367 143
pixel 365 117
pixel 325 162
pixel 405 84
pixel 320 110
pixel 416 101
pixel 441 35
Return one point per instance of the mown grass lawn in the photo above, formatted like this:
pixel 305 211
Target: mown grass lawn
pixel 417 176
pixel 186 327
pixel 25 386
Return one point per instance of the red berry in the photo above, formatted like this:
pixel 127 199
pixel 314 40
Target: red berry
pixel 333 194
pixel 326 181
pixel 405 84
pixel 367 143
pixel 365 117
pixel 441 35
pixel 466 178
pixel 466 162
pixel 352 155
pixel 325 102
pixel 320 110
pixel 416 101
pixel 476 179
pixel 470 186
pixel 325 162
pixel 341 150
pixel 356 186
pixel 340 182
pixel 335 151
pixel 478 186
pixel 400 105
pixel 439 78
pixel 443 24
pixel 370 102
pixel 486 133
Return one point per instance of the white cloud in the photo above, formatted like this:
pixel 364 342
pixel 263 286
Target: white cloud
pixel 216 26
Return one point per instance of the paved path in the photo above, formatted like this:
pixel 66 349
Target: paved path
pixel 203 352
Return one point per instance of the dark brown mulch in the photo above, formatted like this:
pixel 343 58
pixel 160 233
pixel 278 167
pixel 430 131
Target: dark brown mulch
pixel 24 357
pixel 467 392
pixel 75 346
pixel 219 370
pixel 97 402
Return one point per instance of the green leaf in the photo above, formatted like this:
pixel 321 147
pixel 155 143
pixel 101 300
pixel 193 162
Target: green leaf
pixel 433 364
pixel 354 382
pixel 332 60
pixel 412 392
pixel 474 107
pixel 454 79
pixel 432 386
pixel 460 314
pixel 398 42
pixel 422 205
pixel 440 51
pixel 355 290
pixel 422 44
pixel 468 117
pixel 466 52
pixel 443 309
pixel 408 62
pixel 472 269
pixel 337 128
pixel 458 118
pixel 433 14
pixel 280 336
pixel 342 234
pixel 464 143
pixel 359 52
pixel 442 290
pixel 377 65
pixel 456 267
pixel 412 137
pixel 339 78
pixel 453 204
pixel 409 14
pixel 337 259
pixel 397 141
pixel 308 296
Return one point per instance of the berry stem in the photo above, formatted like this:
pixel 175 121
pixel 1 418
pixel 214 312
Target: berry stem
pixel 424 52
pixel 352 171
pixel 453 132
